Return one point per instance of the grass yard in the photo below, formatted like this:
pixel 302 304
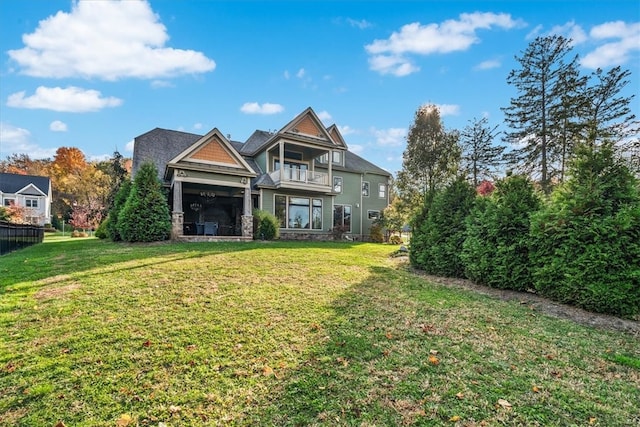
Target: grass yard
pixel 287 333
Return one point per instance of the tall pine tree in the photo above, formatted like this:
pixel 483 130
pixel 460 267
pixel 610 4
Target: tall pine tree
pixel 480 157
pixel 534 114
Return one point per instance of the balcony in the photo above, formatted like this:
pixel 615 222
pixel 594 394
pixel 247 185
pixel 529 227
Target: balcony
pixel 289 177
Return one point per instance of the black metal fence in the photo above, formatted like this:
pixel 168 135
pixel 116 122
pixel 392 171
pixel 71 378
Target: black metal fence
pixel 18 236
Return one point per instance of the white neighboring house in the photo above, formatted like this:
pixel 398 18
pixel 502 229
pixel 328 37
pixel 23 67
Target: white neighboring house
pixel 31 192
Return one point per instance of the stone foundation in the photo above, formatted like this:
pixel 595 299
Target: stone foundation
pixel 177 222
pixel 247 226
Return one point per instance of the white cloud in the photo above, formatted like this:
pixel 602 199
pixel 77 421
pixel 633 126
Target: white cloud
pixel 392 137
pixel 488 64
pixel 448 109
pixel 286 75
pixel 346 130
pixel 572 31
pixel 389 56
pixel 71 99
pixel 15 140
pixel 361 24
pixel 626 42
pixel 324 116
pixel 159 84
pixel 197 126
pixel 356 148
pixel 129 146
pixel 266 108
pixel 58 126
pixel 106 40
pixel 300 74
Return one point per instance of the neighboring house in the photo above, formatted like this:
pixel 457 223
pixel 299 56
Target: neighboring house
pixel 304 174
pixel 33 193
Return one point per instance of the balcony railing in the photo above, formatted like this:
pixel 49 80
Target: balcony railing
pixel 295 175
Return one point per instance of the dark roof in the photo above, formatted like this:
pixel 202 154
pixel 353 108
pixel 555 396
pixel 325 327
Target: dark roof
pixel 12 183
pixel 160 146
pixel 255 142
pixel 353 162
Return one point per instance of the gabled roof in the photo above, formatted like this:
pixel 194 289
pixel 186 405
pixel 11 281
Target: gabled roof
pixel 213 150
pixel 159 146
pixel 31 185
pixel 306 127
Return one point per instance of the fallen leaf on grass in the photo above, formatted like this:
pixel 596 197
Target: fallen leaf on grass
pixel 535 389
pixel 174 409
pixel 147 343
pixel 60 424
pixel 388 335
pixel 455 418
pixel 124 420
pixel 592 420
pixel 433 360
pixel 460 395
pixel 267 371
pixel 503 403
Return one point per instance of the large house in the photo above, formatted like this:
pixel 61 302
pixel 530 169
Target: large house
pixel 33 193
pixel 304 174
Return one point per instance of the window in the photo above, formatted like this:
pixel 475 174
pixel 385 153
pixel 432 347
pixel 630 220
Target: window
pixel 299 212
pixel 292 171
pixel 342 217
pixel 9 202
pixel 337 184
pixel 31 203
pixel 365 189
pixel 336 158
pixel 323 159
pixel 373 214
pixel 382 191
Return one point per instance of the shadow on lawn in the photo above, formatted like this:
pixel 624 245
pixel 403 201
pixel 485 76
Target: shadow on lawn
pixel 353 377
pixel 93 256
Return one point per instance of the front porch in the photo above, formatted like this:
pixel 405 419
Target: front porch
pixel 202 212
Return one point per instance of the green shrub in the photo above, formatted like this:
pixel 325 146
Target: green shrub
pixel 496 248
pixel 118 203
pixel 375 233
pixel 439 238
pixel 101 231
pixel 586 241
pixel 145 216
pixel 265 225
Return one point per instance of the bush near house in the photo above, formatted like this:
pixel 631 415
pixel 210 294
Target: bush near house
pixel 265 225
pixel 145 216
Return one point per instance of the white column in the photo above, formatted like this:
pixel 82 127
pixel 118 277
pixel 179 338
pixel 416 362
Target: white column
pixel 177 196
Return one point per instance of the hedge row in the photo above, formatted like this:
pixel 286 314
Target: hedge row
pixel 580 245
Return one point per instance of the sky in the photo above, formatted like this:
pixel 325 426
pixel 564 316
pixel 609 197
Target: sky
pixel 96 74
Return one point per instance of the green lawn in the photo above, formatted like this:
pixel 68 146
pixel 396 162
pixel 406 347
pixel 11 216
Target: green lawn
pixel 287 333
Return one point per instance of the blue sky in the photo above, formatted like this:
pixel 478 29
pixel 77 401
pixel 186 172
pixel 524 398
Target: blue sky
pixel 96 74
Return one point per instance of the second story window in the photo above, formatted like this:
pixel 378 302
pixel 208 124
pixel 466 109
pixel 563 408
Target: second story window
pixel 382 191
pixel 337 184
pixel 337 158
pixel 31 203
pixel 365 189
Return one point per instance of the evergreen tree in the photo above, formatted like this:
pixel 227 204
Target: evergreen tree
pixel 430 160
pixel 436 244
pixel 114 214
pixel 544 76
pixel 145 216
pixel 496 247
pixel 586 241
pixel 480 158
pixel 606 114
